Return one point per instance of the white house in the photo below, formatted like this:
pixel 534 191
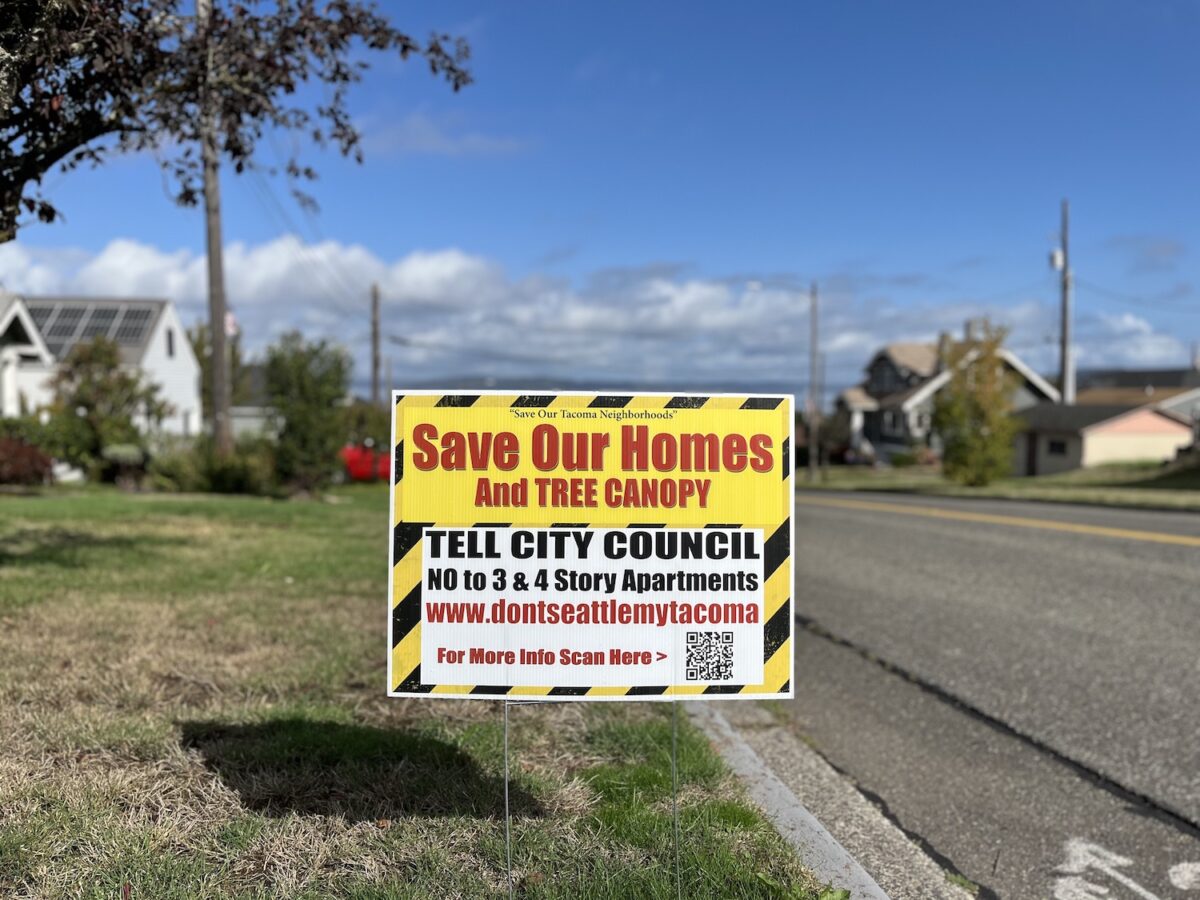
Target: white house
pixel 38 332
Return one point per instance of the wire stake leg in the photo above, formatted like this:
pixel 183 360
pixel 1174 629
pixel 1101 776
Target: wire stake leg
pixel 675 793
pixel 507 815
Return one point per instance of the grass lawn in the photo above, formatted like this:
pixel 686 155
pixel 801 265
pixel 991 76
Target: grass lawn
pixel 1145 485
pixel 191 705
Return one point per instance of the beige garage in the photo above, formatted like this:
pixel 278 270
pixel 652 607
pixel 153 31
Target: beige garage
pixel 1056 438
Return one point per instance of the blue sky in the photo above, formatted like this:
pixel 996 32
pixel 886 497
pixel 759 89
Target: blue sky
pixel 639 190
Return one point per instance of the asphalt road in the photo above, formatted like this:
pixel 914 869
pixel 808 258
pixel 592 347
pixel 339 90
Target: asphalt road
pixel 1017 684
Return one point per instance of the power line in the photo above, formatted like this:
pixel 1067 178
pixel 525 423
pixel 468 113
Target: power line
pixel 324 277
pixel 334 264
pixel 499 355
pixel 1043 282
pixel 1144 302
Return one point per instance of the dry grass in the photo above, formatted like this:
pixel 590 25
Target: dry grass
pixel 190 706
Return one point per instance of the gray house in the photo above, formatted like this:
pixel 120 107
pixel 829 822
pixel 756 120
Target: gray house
pixel 892 409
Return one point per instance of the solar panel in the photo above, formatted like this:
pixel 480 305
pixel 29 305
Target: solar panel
pixel 133 327
pixel 64 326
pixel 41 314
pixel 65 321
pixel 100 322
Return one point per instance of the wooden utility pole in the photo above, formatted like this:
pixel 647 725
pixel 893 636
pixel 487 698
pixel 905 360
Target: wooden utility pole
pixel 1066 378
pixel 814 396
pixel 222 426
pixel 375 395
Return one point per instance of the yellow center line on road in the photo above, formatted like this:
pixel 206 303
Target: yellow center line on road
pixel 958 515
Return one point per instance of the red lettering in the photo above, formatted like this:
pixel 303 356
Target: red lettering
pixel 733 453
pixel 425 457
pixel 506 451
pixel 634 441
pixel 760 447
pixel 664 452
pixel 545 447
pixel 480 449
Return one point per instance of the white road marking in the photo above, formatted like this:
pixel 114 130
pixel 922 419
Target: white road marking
pixel 1083 856
pixel 1185 876
pixel 1073 887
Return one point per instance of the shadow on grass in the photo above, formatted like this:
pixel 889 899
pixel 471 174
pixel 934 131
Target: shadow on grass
pixel 356 771
pixel 66 547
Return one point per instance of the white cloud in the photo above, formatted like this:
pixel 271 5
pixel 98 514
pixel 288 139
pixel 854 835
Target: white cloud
pixel 1131 341
pixel 460 314
pixel 418 134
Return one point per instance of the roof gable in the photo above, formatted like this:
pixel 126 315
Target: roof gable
pixel 911 397
pixel 16 322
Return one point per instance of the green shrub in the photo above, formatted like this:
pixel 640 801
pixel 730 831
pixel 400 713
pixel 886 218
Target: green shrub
pixel 903 460
pixel 179 468
pixel 195 468
pixel 27 430
pixel 250 470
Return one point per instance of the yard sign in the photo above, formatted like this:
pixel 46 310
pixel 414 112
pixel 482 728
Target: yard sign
pixel 591 546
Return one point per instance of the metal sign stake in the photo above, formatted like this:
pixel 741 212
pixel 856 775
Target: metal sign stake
pixel 507 815
pixel 675 792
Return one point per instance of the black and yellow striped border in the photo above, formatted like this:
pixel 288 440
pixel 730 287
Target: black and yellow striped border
pixel 404 601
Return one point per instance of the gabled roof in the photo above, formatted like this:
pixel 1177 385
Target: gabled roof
pixel 920 359
pixel 1132 396
pixel 1139 378
pixel 910 397
pixel 1057 417
pixel 15 319
pixel 64 322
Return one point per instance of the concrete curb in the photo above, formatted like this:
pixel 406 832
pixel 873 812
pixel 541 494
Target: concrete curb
pixel 858 849
pixel 825 856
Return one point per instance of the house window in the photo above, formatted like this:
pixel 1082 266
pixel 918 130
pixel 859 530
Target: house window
pixel 170 343
pixel 1056 448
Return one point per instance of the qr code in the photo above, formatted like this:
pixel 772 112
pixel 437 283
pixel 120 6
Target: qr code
pixel 709 656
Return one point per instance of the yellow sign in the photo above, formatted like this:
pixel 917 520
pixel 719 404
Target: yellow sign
pixel 591 546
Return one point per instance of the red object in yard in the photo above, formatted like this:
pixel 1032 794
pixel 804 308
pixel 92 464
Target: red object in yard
pixel 359 462
pixel 365 463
